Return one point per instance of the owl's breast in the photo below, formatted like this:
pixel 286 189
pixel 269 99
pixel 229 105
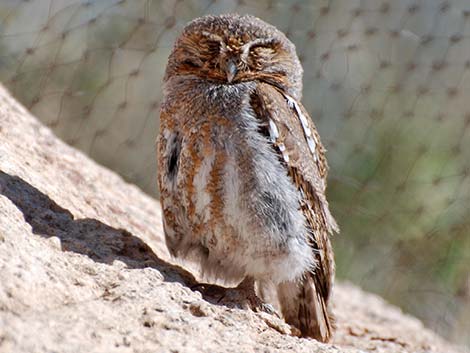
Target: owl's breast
pixel 234 206
pixel 197 98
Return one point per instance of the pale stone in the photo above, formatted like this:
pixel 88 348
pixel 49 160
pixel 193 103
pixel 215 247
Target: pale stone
pixel 84 268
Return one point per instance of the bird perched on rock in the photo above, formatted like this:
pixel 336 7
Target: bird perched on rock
pixel 241 169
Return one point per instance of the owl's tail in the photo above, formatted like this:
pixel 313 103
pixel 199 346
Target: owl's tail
pixel 304 307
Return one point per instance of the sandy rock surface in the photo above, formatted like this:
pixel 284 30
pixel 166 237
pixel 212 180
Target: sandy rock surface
pixel 83 268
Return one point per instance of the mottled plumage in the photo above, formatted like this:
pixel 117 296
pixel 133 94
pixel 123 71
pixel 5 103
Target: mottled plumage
pixel 242 171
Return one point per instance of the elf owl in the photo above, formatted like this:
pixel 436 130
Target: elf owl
pixel 241 169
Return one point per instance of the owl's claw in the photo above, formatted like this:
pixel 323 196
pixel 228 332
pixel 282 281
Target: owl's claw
pixel 269 309
pixel 243 296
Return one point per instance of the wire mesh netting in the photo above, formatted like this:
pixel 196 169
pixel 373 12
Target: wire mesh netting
pixel 385 81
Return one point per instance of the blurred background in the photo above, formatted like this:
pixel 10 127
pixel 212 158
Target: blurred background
pixel 386 81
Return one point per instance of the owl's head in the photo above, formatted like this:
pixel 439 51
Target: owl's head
pixel 229 49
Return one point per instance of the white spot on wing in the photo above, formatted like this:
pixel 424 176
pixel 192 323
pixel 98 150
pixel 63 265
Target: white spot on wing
pixel 312 147
pixel 311 141
pixel 273 131
pixel 273 136
pixel 282 148
pixel 290 101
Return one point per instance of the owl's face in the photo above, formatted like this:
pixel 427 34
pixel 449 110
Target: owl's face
pixel 230 49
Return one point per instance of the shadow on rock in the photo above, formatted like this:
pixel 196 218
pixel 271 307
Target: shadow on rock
pixel 89 237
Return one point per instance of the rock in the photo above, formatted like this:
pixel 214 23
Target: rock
pixel 84 268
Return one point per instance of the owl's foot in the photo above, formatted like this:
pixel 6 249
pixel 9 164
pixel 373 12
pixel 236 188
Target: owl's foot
pixel 242 296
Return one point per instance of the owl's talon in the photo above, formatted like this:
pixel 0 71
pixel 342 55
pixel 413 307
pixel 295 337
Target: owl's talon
pixel 221 299
pixel 269 309
pixel 197 286
pixel 242 296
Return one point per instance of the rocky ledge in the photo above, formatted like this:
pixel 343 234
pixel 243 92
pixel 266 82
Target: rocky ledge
pixel 83 268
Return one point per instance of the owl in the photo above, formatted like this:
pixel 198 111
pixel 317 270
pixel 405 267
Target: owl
pixel 241 169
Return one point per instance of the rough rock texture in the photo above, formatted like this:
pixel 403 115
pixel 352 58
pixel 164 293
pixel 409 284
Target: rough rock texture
pixel 83 268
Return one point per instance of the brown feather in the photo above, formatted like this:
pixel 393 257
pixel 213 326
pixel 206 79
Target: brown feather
pixel 308 172
pixel 227 203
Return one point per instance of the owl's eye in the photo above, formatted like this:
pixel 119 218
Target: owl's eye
pixel 194 63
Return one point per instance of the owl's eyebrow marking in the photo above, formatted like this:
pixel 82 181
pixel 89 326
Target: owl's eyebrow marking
pixel 259 42
pixel 215 38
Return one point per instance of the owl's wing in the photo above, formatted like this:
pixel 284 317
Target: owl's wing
pixel 296 139
pixel 297 142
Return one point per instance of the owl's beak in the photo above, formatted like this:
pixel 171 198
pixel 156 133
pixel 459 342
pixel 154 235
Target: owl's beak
pixel 231 70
